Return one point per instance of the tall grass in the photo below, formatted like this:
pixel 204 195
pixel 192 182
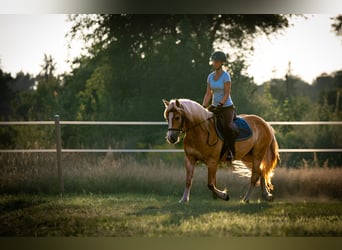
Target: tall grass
pixel 120 173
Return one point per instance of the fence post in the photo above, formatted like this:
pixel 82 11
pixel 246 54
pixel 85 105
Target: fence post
pixel 59 154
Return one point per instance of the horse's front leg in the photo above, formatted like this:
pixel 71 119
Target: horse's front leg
pixel 189 167
pixel 212 168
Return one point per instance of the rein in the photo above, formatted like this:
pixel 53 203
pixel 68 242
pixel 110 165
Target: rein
pixel 183 131
pixel 198 124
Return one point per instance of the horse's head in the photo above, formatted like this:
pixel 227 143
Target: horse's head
pixel 174 114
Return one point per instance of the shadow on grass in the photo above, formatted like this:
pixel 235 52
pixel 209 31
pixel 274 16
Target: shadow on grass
pixel 180 212
pixel 19 203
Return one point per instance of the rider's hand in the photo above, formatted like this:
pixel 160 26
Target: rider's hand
pixel 218 109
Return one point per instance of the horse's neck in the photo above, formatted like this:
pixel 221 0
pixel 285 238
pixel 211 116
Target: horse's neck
pixel 198 125
pixel 198 136
pixel 197 116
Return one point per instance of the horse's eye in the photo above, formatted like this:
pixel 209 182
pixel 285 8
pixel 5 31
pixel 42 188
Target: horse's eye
pixel 177 118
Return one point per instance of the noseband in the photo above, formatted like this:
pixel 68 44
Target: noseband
pixel 180 129
pixel 176 129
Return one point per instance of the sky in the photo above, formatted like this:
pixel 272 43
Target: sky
pixel 309 44
pixel 24 39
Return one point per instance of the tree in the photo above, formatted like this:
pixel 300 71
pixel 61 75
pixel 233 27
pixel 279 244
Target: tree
pixel 167 44
pixel 48 68
pixel 142 33
pixel 337 25
pixel 134 61
pixel 6 95
pixel 316 102
pixel 330 88
pixel 243 87
pixel 37 98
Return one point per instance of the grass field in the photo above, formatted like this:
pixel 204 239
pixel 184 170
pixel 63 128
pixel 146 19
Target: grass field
pixel 153 215
pixel 122 197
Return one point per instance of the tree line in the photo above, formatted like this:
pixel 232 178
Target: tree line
pixel 134 61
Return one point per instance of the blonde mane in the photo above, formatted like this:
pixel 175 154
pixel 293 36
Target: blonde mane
pixel 192 110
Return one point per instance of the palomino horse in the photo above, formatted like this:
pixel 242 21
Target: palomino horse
pixel 201 143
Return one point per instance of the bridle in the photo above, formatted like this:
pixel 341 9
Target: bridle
pixel 183 131
pixel 180 129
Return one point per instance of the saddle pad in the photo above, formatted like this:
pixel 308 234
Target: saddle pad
pixel 245 131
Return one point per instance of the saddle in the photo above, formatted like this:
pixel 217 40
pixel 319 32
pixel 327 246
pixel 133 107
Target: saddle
pixel 243 129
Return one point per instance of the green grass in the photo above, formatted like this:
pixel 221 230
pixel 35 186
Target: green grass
pixel 155 216
pixel 117 196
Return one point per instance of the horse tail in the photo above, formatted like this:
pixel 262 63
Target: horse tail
pixel 270 162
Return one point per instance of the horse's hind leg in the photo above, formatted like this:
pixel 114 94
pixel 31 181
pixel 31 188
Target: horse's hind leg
pixel 256 173
pixel 266 192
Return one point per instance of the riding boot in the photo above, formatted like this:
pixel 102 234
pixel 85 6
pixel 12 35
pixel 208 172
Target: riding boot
pixel 230 156
pixel 231 150
pixel 229 145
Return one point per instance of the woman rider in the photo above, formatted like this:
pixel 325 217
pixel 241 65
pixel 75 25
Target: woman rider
pixel 218 90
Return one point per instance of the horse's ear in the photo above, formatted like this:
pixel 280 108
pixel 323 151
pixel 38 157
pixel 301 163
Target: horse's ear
pixel 166 103
pixel 178 103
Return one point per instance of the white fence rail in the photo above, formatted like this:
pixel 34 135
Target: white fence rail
pixel 58 150
pixel 157 123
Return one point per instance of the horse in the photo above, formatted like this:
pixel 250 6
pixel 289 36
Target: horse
pixel 201 143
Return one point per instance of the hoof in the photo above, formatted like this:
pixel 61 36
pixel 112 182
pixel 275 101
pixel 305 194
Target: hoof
pixel 183 201
pixel 227 197
pixel 269 198
pixel 245 200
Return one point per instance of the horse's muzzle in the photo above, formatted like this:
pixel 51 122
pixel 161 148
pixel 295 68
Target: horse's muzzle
pixel 172 136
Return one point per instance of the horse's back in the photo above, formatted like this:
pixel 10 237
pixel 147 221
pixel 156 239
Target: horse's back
pixel 256 123
pixel 263 133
